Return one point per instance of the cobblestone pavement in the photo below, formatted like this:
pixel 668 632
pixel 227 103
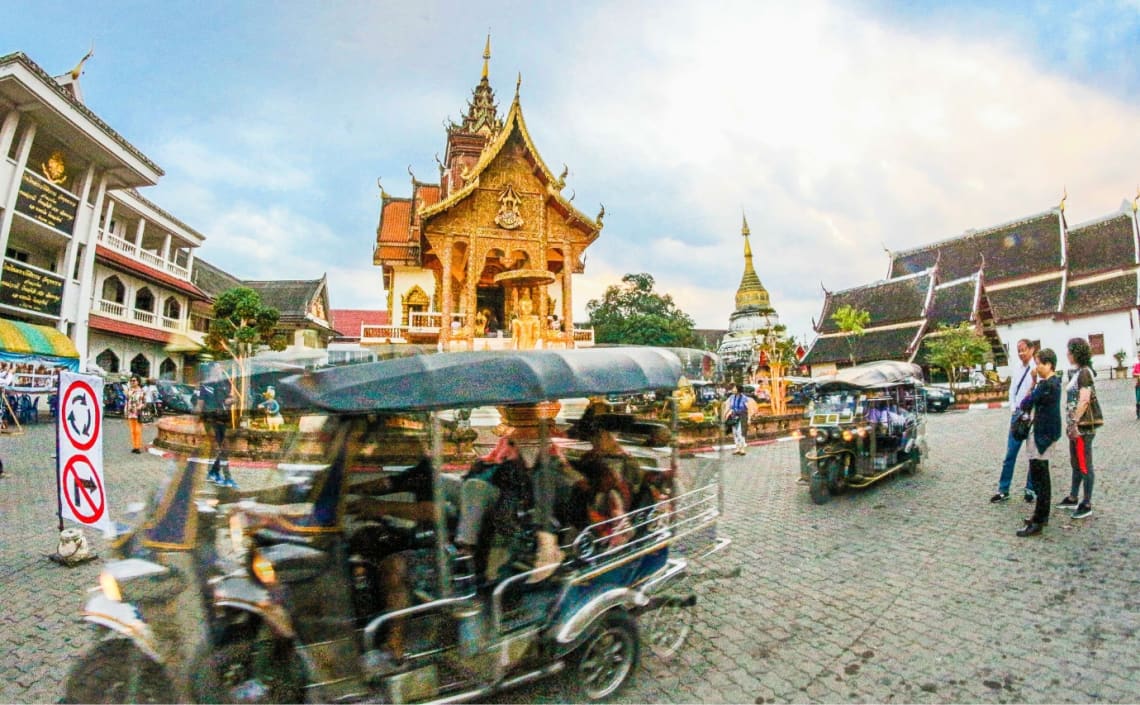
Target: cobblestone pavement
pixel 915 590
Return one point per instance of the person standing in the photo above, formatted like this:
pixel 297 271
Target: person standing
pixel 737 416
pixel 1136 378
pixel 1045 403
pixel 214 404
pixel 1083 415
pixel 150 396
pixel 133 407
pixel 1021 381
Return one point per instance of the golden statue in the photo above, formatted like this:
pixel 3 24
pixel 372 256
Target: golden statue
pixel 55 170
pixel 526 327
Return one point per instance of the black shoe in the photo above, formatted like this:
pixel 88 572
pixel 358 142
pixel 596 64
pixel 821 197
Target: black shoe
pixel 1029 520
pixel 1030 496
pixel 1067 503
pixel 1083 510
pixel 136 450
pixel 1030 529
pixel 999 497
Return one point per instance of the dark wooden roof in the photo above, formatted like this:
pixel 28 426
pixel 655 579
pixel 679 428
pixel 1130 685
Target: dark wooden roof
pixel 1104 245
pixel 890 301
pixel 891 344
pixel 1114 294
pixel 210 279
pixel 291 298
pixel 1026 301
pixel 1022 248
pixel 953 303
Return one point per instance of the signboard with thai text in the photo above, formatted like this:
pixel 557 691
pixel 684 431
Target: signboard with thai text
pixel 47 203
pixel 30 289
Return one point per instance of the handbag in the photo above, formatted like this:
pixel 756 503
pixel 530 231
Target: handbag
pixel 1021 425
pixel 1092 417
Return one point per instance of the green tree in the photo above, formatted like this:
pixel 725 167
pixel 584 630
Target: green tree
pixel 241 325
pixel 853 321
pixel 955 347
pixel 632 313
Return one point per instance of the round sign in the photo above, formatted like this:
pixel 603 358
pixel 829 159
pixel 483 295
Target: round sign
pixel 81 414
pixel 85 502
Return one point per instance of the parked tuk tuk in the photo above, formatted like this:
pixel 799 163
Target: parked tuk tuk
pixel 344 578
pixel 867 423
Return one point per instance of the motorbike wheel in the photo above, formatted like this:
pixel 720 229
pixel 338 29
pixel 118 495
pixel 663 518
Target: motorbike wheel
pixel 606 660
pixel 819 489
pixel 666 628
pixel 115 671
pixel 249 670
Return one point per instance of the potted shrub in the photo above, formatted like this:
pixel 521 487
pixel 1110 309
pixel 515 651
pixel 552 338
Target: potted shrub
pixel 1120 356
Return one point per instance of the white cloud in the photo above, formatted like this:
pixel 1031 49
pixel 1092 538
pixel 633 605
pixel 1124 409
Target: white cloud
pixel 837 133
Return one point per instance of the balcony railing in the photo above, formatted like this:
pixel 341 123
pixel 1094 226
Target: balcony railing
pixel 144 317
pixel 110 307
pixel 172 323
pixel 145 256
pixel 427 324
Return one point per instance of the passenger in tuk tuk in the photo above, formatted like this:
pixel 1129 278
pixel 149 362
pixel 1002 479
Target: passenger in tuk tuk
pixel 612 479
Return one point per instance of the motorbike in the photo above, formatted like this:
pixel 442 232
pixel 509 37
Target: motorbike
pixel 867 423
pixel 343 578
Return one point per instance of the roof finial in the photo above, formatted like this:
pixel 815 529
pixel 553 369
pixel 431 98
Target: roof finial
pixel 518 84
pixel 1136 199
pixel 1064 196
pixel 78 70
pixel 487 53
pixel 744 228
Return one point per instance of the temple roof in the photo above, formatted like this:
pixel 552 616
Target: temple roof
pixel 1112 294
pixel 1101 245
pixel 482 112
pixel 954 302
pixel 515 124
pixel 293 298
pixel 889 301
pixel 890 344
pixel 1032 300
pixel 394 234
pixel 751 294
pixel 211 279
pixel 1020 248
pixel 349 322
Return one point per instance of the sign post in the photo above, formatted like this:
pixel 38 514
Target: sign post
pixel 81 491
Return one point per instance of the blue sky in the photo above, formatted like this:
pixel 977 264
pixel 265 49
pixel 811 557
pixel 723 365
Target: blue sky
pixel 840 128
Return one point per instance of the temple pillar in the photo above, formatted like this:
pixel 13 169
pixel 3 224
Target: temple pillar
pixel 445 296
pixel 567 305
pixel 470 287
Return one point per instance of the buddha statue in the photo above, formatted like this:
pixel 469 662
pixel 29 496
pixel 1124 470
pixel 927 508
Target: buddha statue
pixel 526 327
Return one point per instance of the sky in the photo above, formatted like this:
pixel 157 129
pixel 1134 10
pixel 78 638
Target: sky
pixel 841 129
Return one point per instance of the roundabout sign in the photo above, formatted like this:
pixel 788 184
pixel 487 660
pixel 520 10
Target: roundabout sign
pixel 82 495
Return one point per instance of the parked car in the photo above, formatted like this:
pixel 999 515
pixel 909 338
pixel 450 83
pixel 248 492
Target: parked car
pixel 938 399
pixel 176 398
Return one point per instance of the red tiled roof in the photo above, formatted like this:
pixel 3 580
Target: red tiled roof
pixel 130 330
pixel 347 321
pixel 133 266
pixel 428 195
pixel 395 218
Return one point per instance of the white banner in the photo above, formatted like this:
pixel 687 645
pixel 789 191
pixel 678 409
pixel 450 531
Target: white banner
pixel 79 441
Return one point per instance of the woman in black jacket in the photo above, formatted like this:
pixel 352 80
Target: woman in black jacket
pixel 1045 402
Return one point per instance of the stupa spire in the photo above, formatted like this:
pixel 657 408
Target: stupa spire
pixel 482 112
pixel 486 56
pixel 751 293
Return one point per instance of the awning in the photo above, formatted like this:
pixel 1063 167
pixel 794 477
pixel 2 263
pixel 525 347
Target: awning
pixel 180 343
pixel 28 339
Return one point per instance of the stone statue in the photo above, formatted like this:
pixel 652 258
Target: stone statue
pixel 526 327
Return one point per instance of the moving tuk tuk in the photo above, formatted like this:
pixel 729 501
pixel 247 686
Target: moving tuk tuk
pixel 867 423
pixel 406 548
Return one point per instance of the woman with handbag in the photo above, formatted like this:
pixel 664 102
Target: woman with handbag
pixel 1045 403
pixel 1083 417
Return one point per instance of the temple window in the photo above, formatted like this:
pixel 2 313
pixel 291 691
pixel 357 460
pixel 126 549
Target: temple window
pixel 171 308
pixel 140 366
pixel 108 361
pixel 114 291
pixel 168 369
pixel 144 301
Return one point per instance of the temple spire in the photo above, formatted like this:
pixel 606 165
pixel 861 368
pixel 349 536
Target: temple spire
pixel 751 293
pixel 486 56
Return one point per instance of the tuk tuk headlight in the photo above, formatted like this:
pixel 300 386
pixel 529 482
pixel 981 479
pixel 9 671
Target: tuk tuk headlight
pixel 262 569
pixel 110 587
pixel 847 435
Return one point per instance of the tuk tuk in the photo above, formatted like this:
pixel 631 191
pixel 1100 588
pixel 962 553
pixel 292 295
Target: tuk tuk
pixel 345 577
pixel 867 423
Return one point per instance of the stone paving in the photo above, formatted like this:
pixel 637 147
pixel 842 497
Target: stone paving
pixel 915 590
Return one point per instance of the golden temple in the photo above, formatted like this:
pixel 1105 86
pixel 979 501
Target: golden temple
pixel 460 257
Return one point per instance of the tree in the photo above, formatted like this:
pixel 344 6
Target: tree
pixel 633 314
pixel 955 347
pixel 851 320
pixel 241 325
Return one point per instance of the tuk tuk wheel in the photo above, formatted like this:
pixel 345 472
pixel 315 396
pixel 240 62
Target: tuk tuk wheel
pixel 115 671
pixel 666 628
pixel 820 491
pixel 249 671
pixel 606 659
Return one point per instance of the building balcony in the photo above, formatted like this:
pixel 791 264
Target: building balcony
pixel 146 318
pixel 425 327
pixel 147 257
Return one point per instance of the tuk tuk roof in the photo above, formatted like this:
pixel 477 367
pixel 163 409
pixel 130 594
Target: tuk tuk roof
pixel 885 373
pixel 470 379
